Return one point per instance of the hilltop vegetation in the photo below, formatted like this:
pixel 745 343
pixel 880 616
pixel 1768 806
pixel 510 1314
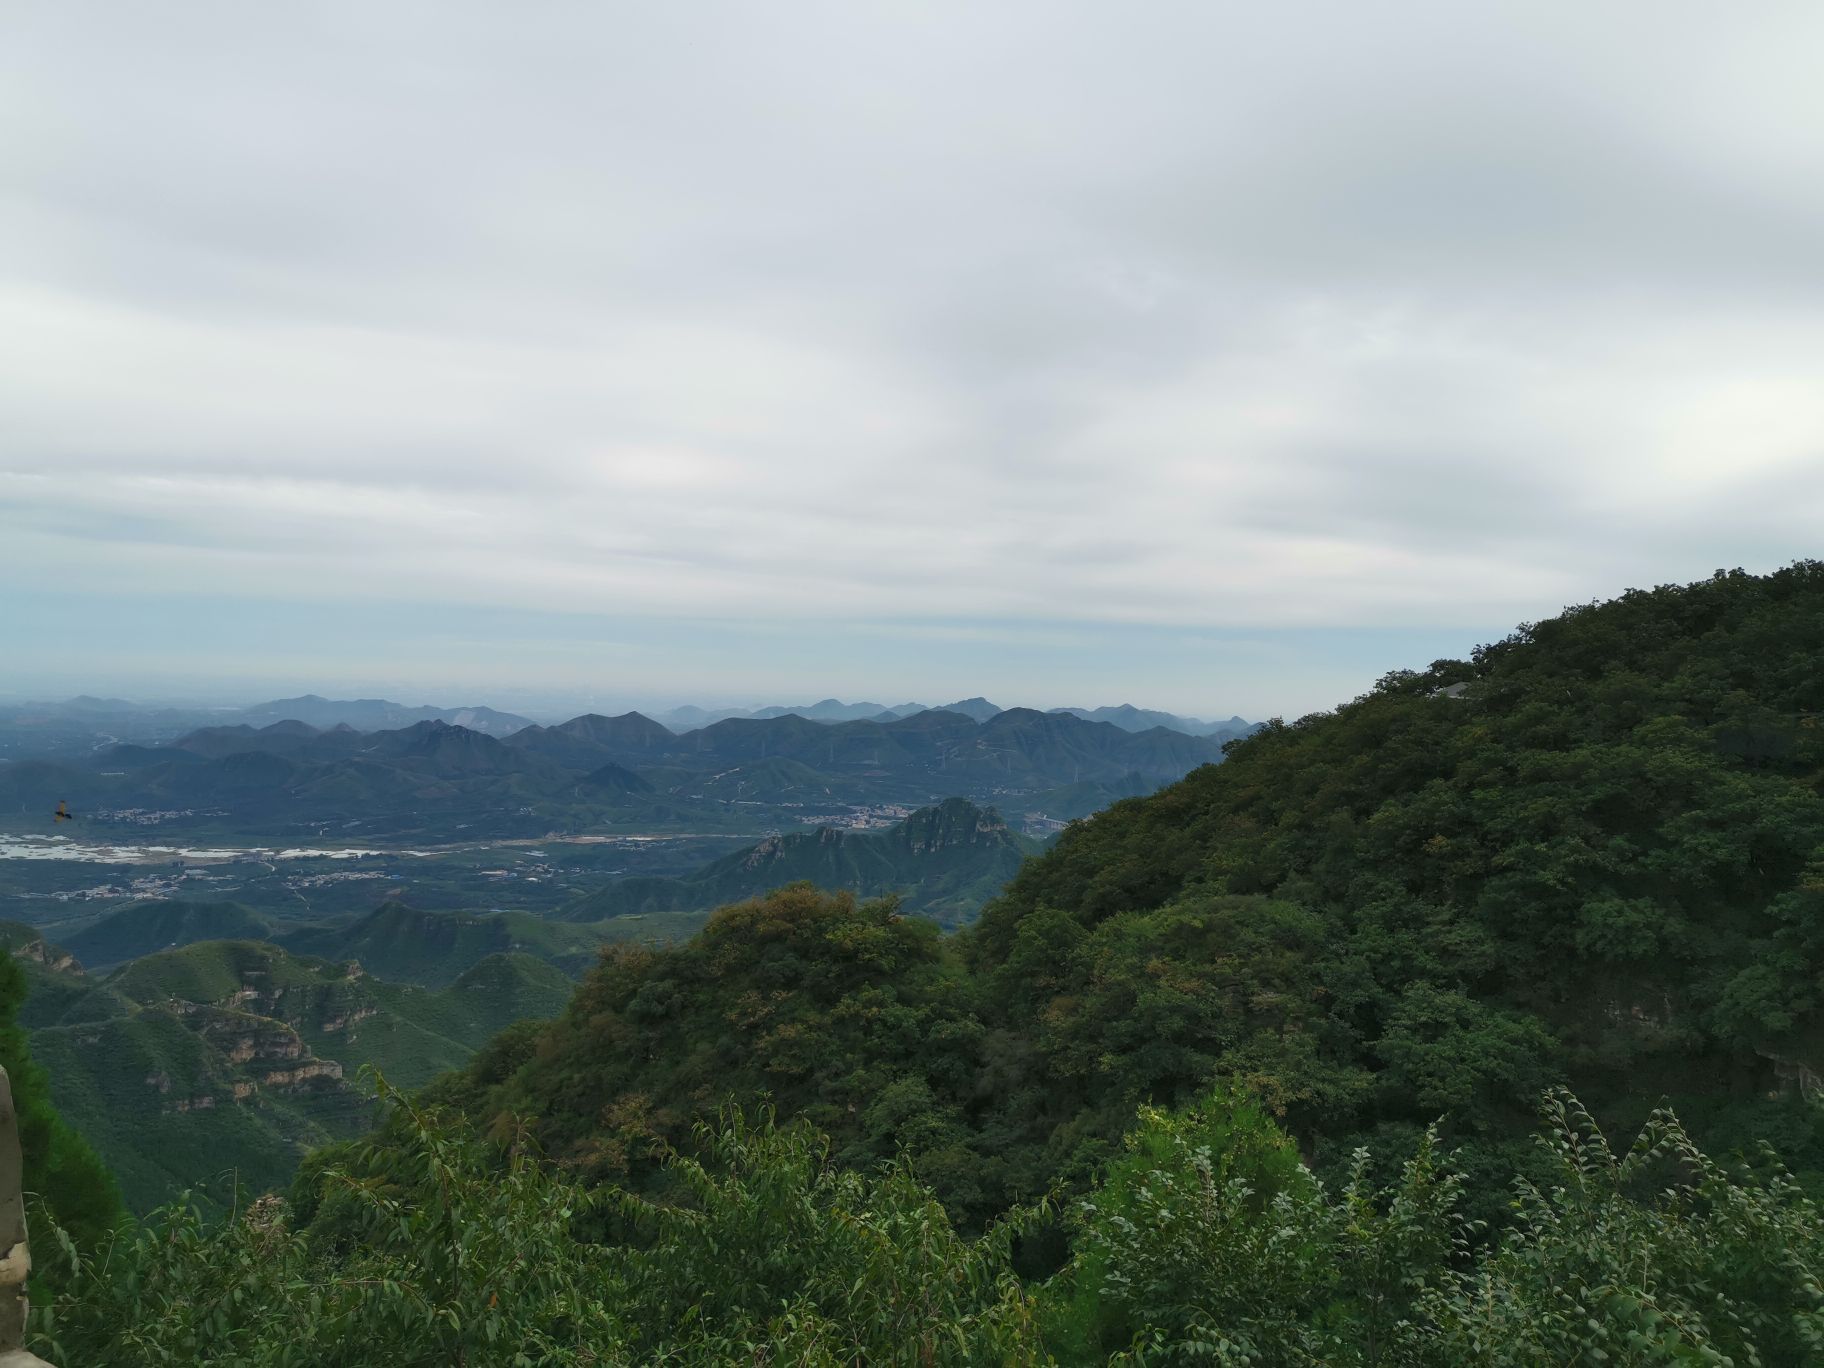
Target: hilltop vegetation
pixel 846 1013
pixel 1594 852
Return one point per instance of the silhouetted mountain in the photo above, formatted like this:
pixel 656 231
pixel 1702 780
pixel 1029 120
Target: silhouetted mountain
pixel 978 709
pixel 444 749
pixel 1129 718
pixel 88 703
pixel 79 727
pixel 829 710
pixel 591 740
pixel 689 717
pixel 1125 716
pixel 379 714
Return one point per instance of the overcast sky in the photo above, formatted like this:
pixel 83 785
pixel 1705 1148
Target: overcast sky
pixel 1210 356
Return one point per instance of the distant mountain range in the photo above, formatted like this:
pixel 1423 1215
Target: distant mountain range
pixel 77 725
pixel 437 781
pixel 1129 718
pixel 1125 716
pixel 377 714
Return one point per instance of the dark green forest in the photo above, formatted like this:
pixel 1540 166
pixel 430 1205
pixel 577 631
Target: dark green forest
pixel 1310 1058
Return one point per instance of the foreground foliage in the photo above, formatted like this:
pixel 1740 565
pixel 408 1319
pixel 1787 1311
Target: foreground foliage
pixel 1210 1243
pixel 426 1251
pixel 1207 1241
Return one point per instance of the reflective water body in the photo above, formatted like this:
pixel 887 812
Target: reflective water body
pixel 64 848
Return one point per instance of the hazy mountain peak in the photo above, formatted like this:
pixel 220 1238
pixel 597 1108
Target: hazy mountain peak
pixel 978 708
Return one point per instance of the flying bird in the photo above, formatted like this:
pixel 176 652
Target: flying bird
pixel 63 813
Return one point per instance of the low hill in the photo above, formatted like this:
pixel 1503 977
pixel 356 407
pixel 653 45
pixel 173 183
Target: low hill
pixel 590 741
pixel 943 862
pixel 58 989
pixel 144 928
pixel 437 747
pixel 407 945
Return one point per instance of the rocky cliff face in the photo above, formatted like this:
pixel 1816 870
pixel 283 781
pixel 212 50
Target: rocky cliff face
pixel 244 1037
pixel 954 822
pixel 52 957
pixel 248 1054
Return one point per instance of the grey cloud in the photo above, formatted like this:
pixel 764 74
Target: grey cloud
pixel 1173 313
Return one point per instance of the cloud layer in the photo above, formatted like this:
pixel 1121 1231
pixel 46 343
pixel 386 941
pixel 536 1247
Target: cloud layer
pixel 912 317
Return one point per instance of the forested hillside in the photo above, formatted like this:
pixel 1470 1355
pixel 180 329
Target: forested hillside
pixel 1594 851
pixel 1589 854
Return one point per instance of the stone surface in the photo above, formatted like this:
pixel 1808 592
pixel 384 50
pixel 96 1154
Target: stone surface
pixel 15 1257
